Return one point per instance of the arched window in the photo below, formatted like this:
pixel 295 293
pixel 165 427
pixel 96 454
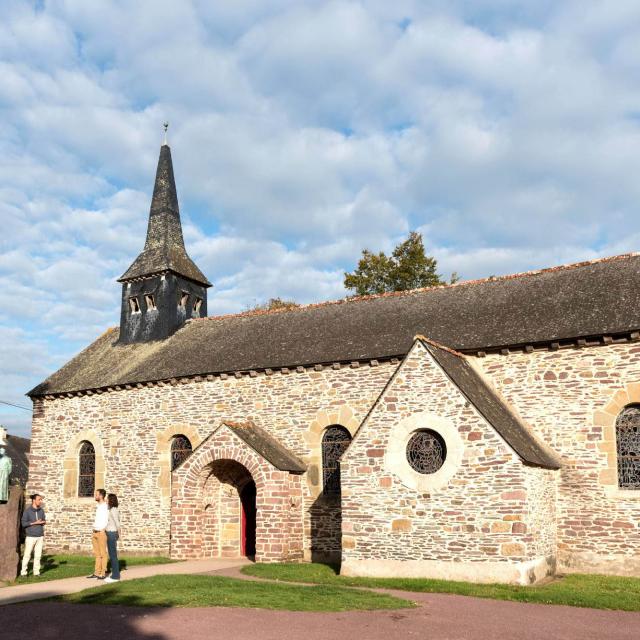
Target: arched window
pixel 628 447
pixel 334 443
pixel 180 450
pixel 86 470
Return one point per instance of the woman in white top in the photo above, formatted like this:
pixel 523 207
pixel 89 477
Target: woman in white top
pixel 113 533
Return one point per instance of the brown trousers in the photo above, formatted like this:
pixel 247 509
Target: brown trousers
pixel 99 543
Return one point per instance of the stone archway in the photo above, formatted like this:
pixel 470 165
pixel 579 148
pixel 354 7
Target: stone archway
pixel 206 505
pixel 226 534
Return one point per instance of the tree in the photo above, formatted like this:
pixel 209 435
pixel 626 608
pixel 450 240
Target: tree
pixel 275 303
pixel 408 267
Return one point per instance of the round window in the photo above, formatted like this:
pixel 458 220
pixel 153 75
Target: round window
pixel 426 451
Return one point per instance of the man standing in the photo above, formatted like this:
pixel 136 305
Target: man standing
pixel 99 537
pixel 33 521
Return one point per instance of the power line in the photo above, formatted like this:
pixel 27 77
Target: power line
pixel 17 406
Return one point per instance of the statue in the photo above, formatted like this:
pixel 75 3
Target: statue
pixel 11 499
pixel 5 467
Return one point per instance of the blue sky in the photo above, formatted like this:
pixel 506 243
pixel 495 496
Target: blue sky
pixel 301 132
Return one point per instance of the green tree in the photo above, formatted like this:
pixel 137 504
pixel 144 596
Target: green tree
pixel 408 267
pixel 275 303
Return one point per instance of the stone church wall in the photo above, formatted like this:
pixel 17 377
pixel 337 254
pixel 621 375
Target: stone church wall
pixel 131 431
pixel 486 521
pixel 571 399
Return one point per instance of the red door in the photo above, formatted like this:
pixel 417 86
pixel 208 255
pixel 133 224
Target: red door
pixel 248 525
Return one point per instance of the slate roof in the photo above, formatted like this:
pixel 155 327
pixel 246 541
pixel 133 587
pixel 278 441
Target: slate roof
pixel 17 449
pixel 587 299
pixel 164 248
pixel 492 407
pixel 267 446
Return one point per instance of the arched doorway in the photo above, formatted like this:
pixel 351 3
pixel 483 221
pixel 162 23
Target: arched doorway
pixel 248 527
pixel 231 490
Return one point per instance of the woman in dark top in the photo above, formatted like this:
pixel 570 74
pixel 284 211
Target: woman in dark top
pixel 113 533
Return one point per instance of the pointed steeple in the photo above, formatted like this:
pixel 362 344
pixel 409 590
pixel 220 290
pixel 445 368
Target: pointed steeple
pixel 164 248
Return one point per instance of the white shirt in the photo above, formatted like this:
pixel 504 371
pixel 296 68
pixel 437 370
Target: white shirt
pixel 102 517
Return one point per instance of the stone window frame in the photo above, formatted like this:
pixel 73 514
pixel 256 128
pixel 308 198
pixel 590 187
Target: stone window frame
pixel 395 458
pixel 606 418
pixel 343 416
pixel 163 454
pixel 72 462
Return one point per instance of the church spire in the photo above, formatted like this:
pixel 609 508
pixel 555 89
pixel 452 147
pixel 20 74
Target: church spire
pixel 164 248
pixel 163 288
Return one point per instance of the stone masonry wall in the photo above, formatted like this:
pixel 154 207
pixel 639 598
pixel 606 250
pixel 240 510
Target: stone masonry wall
pixel 125 426
pixel 492 508
pixel 570 398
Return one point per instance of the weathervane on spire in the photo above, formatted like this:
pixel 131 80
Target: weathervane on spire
pixel 166 126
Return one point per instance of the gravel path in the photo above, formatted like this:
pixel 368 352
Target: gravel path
pixel 439 617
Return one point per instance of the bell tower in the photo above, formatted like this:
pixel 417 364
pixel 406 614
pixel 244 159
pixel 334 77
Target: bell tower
pixel 163 287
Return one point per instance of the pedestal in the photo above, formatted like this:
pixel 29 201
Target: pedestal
pixel 10 514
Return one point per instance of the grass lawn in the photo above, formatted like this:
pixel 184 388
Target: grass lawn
pixel 218 591
pixel 54 567
pixel 577 590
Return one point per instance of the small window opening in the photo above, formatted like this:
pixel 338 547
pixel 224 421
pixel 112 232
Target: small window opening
pixel 180 450
pixel 196 306
pixel 184 298
pixel 134 305
pixel 150 300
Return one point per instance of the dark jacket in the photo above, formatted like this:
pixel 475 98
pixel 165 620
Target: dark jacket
pixel 31 515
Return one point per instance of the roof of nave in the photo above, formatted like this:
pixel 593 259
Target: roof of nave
pixel 495 409
pixel 595 298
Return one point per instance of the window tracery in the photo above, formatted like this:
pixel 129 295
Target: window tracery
pixel 628 447
pixel 426 451
pixel 181 449
pixel 335 441
pixel 86 470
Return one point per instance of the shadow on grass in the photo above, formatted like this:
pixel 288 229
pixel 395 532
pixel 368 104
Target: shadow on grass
pixel 48 563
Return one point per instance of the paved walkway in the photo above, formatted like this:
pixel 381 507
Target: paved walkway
pixel 438 617
pixel 47 589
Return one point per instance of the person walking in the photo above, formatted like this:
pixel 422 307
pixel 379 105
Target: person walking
pixel 33 521
pixel 113 534
pixel 99 536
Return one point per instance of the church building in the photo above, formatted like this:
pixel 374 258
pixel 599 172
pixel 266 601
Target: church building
pixel 487 430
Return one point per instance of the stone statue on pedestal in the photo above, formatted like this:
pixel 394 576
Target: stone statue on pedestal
pixel 11 499
pixel 5 467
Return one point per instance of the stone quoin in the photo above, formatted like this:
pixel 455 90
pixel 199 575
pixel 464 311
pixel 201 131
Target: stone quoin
pixel 480 431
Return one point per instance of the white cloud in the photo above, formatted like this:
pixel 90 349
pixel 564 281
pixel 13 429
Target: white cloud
pixel 303 131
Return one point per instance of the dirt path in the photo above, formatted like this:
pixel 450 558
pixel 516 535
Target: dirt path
pixel 439 617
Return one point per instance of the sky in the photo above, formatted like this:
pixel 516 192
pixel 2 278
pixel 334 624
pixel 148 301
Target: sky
pixel 507 133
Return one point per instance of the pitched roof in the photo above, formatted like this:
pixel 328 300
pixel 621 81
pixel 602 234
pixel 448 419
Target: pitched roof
pixel 164 248
pixel 267 446
pixel 17 449
pixel 492 407
pixel 587 299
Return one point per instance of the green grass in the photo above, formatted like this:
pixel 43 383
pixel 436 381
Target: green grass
pixel 576 590
pixel 54 567
pixel 217 591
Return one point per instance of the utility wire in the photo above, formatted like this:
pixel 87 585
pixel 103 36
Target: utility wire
pixel 17 406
